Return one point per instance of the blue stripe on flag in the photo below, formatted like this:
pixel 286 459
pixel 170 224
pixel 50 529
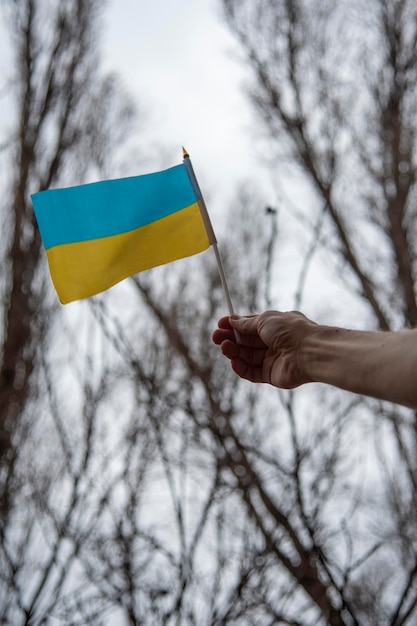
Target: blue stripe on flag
pixel 110 207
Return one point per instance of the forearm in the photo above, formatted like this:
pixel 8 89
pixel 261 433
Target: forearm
pixel 378 364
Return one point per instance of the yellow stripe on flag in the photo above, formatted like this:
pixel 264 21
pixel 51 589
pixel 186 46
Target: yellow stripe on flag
pixel 110 259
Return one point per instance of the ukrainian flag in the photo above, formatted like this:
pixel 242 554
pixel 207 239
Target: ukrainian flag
pixel 96 235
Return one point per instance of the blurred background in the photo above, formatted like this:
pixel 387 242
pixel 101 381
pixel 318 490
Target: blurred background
pixel 141 481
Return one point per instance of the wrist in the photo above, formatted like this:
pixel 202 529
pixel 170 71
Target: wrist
pixel 323 354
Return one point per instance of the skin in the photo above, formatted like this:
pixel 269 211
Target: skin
pixel 288 350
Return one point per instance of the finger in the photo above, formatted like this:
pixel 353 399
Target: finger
pixel 224 322
pixel 252 357
pixel 248 372
pixel 227 333
pixel 221 335
pixel 247 324
pixel 247 341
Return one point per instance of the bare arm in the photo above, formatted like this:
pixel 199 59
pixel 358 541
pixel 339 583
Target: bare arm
pixel 287 350
pixel 378 364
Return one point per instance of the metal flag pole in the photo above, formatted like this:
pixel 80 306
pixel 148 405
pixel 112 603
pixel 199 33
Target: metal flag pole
pixel 209 228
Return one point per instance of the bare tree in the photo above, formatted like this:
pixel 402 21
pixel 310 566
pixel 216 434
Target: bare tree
pixel 335 85
pixel 197 546
pixel 67 116
pixel 322 485
pixel 150 486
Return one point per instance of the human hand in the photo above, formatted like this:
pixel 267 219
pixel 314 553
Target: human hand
pixel 270 347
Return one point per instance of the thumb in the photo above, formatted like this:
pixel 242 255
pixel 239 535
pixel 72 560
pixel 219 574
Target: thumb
pixel 246 324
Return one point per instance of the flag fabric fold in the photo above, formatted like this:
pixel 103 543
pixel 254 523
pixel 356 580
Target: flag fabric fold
pixel 96 235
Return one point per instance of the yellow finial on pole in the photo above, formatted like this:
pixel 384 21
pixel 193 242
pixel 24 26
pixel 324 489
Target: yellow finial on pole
pixel 185 153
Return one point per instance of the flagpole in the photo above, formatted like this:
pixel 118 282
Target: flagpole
pixel 209 228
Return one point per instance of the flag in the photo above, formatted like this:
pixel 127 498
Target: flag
pixel 97 234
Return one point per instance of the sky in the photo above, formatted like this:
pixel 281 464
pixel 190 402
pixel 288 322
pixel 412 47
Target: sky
pixel 184 70
pixel 179 62
pixel 182 66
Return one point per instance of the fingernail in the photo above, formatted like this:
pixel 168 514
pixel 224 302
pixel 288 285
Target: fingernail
pixel 235 317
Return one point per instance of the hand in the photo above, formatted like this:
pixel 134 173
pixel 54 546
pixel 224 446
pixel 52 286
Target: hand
pixel 268 347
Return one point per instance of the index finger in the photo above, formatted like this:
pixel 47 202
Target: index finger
pixel 248 331
pixel 224 323
pixel 226 330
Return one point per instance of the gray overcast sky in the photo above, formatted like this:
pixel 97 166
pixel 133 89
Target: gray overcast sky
pixel 180 62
